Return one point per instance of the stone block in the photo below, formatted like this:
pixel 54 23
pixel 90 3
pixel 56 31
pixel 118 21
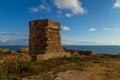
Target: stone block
pixel 24 50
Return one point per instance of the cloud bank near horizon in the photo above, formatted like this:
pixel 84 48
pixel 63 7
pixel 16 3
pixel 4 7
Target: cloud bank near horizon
pixel 13 38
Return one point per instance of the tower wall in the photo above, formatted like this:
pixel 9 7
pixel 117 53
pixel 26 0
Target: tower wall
pixel 44 37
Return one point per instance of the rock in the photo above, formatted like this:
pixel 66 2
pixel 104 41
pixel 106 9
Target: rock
pixel 85 52
pixel 15 57
pixel 13 51
pixel 74 53
pixel 79 52
pixel 4 50
pixel 24 50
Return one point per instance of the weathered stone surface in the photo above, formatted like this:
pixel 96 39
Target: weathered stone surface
pixel 24 50
pixel 13 51
pixel 49 55
pixel 79 52
pixel 4 50
pixel 15 57
pixel 44 37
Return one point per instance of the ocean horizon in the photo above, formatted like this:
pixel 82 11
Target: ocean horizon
pixel 103 49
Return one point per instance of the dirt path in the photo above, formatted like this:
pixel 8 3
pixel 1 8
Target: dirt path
pixel 109 70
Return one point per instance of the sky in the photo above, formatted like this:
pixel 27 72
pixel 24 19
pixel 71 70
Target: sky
pixel 83 22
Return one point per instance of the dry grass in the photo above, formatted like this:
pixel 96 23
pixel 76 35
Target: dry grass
pixel 15 70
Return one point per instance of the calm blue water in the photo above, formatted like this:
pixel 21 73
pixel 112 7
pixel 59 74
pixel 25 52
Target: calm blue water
pixel 17 48
pixel 95 49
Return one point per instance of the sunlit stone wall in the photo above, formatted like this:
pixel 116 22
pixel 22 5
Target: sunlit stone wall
pixel 44 37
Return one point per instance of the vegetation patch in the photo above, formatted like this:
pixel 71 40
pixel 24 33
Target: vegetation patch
pixel 15 70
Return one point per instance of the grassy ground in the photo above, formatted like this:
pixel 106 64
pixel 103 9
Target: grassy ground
pixel 48 70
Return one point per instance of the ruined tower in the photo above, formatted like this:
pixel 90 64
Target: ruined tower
pixel 44 37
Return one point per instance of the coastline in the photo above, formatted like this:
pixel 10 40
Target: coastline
pixel 103 49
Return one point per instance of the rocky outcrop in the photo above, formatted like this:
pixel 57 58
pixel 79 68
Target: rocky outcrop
pixel 4 50
pixel 80 52
pixel 15 57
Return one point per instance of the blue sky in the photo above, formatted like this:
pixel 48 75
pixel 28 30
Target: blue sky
pixel 83 22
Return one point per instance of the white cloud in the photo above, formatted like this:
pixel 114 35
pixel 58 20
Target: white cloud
pixel 116 29
pixel 4 40
pixel 112 29
pixel 33 9
pixel 43 7
pixel 75 6
pixel 117 4
pixel 91 29
pixel 68 15
pixel 59 13
pixel 65 28
pixel 66 41
pixel 107 29
pixel 114 43
pixel 14 42
pixel 12 34
pixel 11 38
pixel 38 8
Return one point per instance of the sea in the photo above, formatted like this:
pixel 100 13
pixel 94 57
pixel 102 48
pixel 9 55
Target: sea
pixel 102 49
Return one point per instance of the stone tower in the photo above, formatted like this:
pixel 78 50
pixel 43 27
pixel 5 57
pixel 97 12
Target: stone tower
pixel 44 37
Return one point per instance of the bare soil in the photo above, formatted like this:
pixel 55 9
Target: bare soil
pixel 108 70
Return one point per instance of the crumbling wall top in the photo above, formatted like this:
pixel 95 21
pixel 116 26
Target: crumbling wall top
pixel 45 23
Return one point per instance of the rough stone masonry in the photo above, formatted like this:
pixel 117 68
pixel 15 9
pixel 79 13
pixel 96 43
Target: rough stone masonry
pixel 44 37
